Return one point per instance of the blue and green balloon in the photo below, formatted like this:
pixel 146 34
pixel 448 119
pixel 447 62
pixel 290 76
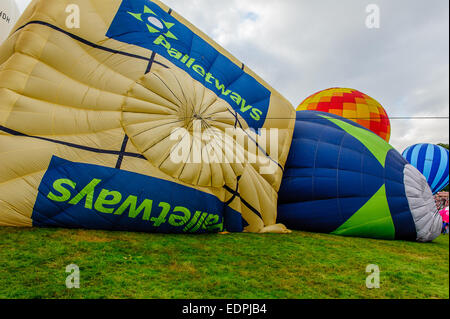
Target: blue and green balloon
pixel 432 161
pixel 340 178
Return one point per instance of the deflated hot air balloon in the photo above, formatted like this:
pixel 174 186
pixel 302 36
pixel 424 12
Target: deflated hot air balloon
pixel 8 17
pixel 432 161
pixel 101 126
pixel 352 105
pixel 340 178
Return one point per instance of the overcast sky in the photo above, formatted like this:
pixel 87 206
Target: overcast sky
pixel 303 46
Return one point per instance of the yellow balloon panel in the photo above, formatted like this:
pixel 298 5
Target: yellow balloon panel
pixel 9 13
pixel 122 115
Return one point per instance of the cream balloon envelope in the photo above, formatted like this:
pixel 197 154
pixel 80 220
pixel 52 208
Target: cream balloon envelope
pixel 9 13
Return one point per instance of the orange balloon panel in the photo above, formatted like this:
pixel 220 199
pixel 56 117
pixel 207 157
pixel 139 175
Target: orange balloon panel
pixel 353 105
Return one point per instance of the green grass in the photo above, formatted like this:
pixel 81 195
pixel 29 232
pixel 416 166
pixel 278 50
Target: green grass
pixel 138 265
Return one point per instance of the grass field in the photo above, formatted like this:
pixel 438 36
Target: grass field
pixel 137 265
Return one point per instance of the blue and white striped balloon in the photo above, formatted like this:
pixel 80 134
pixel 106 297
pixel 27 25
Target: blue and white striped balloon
pixel 432 161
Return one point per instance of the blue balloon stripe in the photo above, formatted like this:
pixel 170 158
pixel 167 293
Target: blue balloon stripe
pixel 442 173
pixel 421 158
pixel 438 157
pixel 432 161
pixel 428 163
pixel 408 154
pixel 442 182
pixel 414 155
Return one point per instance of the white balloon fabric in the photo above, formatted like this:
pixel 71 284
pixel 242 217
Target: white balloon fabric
pixel 9 13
